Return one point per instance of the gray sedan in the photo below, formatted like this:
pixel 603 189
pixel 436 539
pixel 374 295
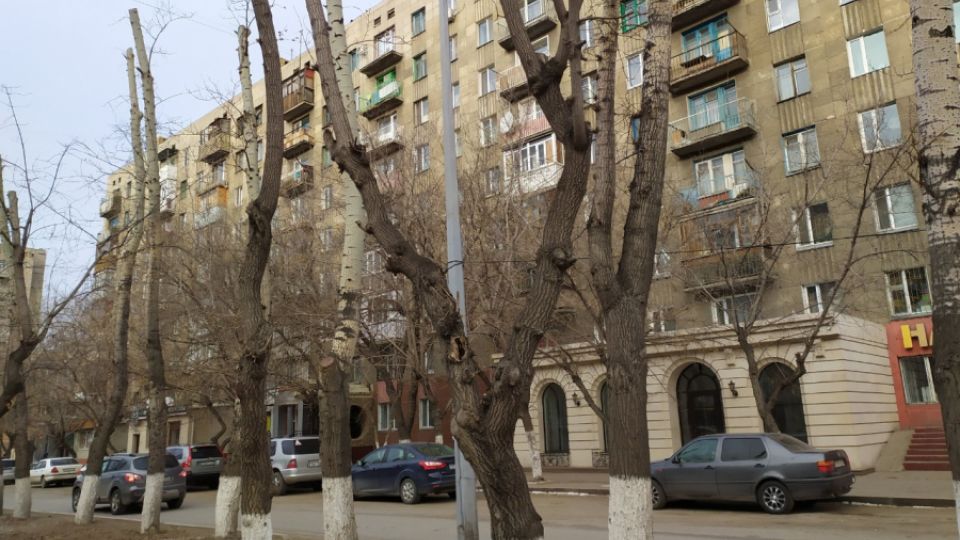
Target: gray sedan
pixel 774 470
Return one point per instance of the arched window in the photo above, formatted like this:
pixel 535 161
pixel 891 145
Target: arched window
pixel 604 400
pixel 555 436
pixel 788 411
pixel 700 402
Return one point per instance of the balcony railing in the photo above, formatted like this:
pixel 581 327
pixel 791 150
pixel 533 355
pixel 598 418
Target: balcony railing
pixel 529 181
pixel 513 83
pixel 216 146
pixel 383 142
pixel 298 94
pixel 209 216
pixel 686 12
pixel 738 187
pixel 390 330
pixel 524 127
pixel 539 18
pixel 208 183
pixel 168 172
pixel 713 127
pixel 708 62
pixel 297 141
pixel 111 204
pixel 168 206
pixel 387 54
pixel 731 270
pixel 297 181
pixel 382 100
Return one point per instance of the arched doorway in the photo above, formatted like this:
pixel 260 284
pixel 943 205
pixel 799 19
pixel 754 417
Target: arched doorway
pixel 788 411
pixel 555 436
pixel 700 402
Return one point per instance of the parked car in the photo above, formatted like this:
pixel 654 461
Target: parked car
pixel 50 471
pixel 295 460
pixel 124 477
pixel 7 466
pixel 202 463
pixel 774 470
pixel 409 471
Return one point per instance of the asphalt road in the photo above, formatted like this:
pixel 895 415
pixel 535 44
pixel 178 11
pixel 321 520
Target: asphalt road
pixel 566 517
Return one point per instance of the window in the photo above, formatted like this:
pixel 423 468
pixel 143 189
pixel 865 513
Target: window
pixel 531 156
pixel 733 309
pixel 218 173
pixel 484 32
pixel 661 264
pixel 421 158
pixel 390 13
pixel 421 111
pixel 956 20
pixel 635 129
pixel 385 419
pixel 354 59
pixel 488 131
pixel 814 226
pixel 419 66
pixel 586 33
pixel 662 320
pixel 879 128
pixel 238 196
pixel 793 79
pixel 867 53
pixel 455 92
pixel 173 433
pixel 909 291
pixel 894 207
pixel 702 451
pixel 532 10
pixel 493 180
pixel 816 295
pixel 720 174
pixel 426 414
pixel 781 13
pixel 917 378
pixel 325 158
pixel 589 84
pixel 373 262
pixel 326 198
pixel 634 70
pixel 453 48
pixel 184 187
pixel 457 146
pixel 709 41
pixel 258 115
pixel 418 21
pixel 800 151
pixel 384 42
pixel 633 13
pixel 261 150
pixel 488 80
pixel 326 239
pixel 717 105
pixel 746 449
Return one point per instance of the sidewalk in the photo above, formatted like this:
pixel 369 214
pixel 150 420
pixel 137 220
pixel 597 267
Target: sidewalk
pixel 907 488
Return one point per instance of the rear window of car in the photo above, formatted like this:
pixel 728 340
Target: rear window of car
pixel 792 444
pixel 175 452
pixel 298 447
pixel 7 463
pixel 141 462
pixel 200 452
pixel 747 448
pixel 435 450
pixel 64 461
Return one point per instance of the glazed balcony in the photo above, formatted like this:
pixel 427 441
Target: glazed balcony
pixel 216 141
pixel 736 188
pixel 298 94
pixel 168 206
pixel 209 216
pixel 726 271
pixel 387 54
pixel 207 183
pixel 111 205
pixel 713 128
pixel 297 141
pixel 297 181
pixel 535 180
pixel 539 18
pixel 513 83
pixel 687 12
pixel 708 62
pixel 383 99
pixel 383 142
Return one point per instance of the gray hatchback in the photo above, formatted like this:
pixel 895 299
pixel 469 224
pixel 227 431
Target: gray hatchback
pixel 202 463
pixel 295 460
pixel 774 470
pixel 124 477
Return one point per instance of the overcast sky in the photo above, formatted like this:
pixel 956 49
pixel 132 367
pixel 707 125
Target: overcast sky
pixel 63 61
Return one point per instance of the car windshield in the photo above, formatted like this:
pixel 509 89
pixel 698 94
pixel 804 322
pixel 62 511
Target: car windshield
pixel 141 462
pixel 64 461
pixel 792 444
pixel 200 452
pixel 435 450
pixel 7 463
pixel 298 447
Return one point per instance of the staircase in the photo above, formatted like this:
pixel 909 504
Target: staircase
pixel 927 451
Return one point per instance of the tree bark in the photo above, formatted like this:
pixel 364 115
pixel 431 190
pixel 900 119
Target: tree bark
pixel 124 284
pixel 938 123
pixel 21 469
pixel 228 491
pixel 536 461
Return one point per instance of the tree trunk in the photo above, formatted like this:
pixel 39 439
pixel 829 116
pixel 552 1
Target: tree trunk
pixel 339 520
pixel 228 490
pixel 124 284
pixel 21 469
pixel 938 123
pixel 536 461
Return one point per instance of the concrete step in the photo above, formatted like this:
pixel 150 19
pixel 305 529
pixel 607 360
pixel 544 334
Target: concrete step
pixel 929 437
pixel 924 444
pixel 927 451
pixel 926 457
pixel 926 466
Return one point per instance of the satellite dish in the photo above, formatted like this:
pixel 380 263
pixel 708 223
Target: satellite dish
pixel 506 122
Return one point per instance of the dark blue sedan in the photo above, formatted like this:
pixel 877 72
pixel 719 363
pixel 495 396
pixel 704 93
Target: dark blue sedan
pixel 409 470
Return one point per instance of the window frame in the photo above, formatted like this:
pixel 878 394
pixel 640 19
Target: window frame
pixel 420 66
pixel 818 291
pixel 484 29
pixel 928 368
pixel 887 193
pixel 794 84
pixel 421 111
pixel 805 220
pixel 488 80
pixel 418 21
pixel 385 419
pixel 864 56
pixel 802 136
pixel 425 412
pixel 879 113
pixel 905 285
pixel 631 76
pixel 633 14
pixel 421 158
pixel 771 27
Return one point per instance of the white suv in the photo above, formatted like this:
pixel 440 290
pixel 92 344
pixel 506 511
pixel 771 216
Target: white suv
pixel 295 460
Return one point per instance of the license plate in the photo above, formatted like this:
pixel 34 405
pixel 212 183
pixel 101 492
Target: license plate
pixel 839 463
pixel 313 463
pixel 453 466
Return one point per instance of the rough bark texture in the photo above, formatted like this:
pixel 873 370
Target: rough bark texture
pixel 21 467
pixel 121 307
pixel 255 331
pixel 938 123
pixel 623 287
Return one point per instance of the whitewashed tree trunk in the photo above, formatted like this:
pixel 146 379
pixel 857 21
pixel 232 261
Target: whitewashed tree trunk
pixel 21 472
pixel 22 498
pixel 228 507
pixel 88 499
pixel 536 460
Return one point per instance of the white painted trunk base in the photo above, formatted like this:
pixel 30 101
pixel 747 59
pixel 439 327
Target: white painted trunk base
pixel 536 462
pixel 152 499
pixel 228 507
pixel 629 515
pixel 22 498
pixel 338 517
pixel 88 498
pixel 256 527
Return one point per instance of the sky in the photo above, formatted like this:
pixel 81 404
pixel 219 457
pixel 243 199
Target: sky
pixel 62 61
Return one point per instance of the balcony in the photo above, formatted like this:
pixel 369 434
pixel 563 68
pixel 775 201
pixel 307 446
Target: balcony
pixel 513 83
pixel 383 142
pixel 713 128
pixel 168 206
pixel 727 271
pixel 209 183
pixel 168 173
pixel 531 181
pixel 167 153
pixel 737 188
pixel 297 141
pixel 216 141
pixel 708 62
pixel 297 181
pixel 687 12
pixel 524 127
pixel 387 55
pixel 298 92
pixel 110 205
pixel 209 216
pixel 540 18
pixel 385 98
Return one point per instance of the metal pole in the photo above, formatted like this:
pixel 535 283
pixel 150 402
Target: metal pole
pixel 467 526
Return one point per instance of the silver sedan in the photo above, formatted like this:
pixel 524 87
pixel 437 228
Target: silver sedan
pixel 51 471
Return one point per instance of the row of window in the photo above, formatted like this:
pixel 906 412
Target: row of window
pixel 387 422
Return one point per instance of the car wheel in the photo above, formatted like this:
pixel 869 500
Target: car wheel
pixel 176 503
pixel 43 482
pixel 75 499
pixel 657 496
pixel 214 484
pixel 278 485
pixel 116 503
pixel 408 491
pixel 774 498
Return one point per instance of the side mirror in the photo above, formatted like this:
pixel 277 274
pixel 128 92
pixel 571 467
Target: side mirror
pixel 359 463
pixel 675 458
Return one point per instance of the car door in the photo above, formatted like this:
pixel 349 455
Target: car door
pixel 743 461
pixel 693 475
pixel 364 471
pixel 104 482
pixel 389 470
